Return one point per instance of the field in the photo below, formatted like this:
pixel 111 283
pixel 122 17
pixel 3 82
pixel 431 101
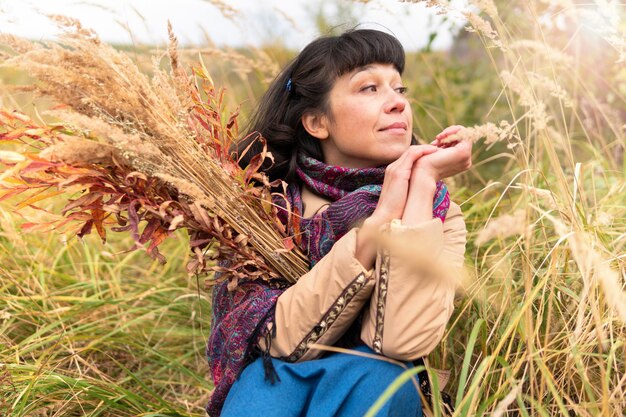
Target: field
pixel 539 328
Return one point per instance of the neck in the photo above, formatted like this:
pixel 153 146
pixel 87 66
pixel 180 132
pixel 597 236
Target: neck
pixel 312 203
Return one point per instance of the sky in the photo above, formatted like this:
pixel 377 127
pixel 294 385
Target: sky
pixel 252 22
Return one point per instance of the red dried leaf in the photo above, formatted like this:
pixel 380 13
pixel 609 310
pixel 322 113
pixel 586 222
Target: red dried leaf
pixel 86 229
pixel 12 134
pixel 288 243
pixel 36 166
pixel 124 228
pixel 201 216
pixel 79 216
pixel 98 218
pixel 202 122
pixel 15 115
pixel 82 202
pixel 37 197
pixel 233 281
pixel 232 120
pixel 295 222
pixel 199 242
pixel 253 167
pixel 158 236
pixel 33 227
pixel 10 193
pixel 133 219
pixel 149 230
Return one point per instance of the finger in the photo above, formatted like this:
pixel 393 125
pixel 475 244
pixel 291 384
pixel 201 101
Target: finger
pixel 412 153
pixel 400 160
pixel 402 167
pixel 438 143
pixel 443 144
pixel 419 151
pixel 450 130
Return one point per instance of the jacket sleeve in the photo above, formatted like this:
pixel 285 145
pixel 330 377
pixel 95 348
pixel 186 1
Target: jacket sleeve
pixel 416 277
pixel 322 305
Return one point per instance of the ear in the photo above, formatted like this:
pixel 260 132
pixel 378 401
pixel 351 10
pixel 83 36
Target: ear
pixel 316 124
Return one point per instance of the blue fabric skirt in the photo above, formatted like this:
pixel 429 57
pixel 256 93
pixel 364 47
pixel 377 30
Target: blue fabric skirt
pixel 337 385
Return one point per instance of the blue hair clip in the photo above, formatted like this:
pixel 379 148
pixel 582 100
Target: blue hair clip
pixel 288 86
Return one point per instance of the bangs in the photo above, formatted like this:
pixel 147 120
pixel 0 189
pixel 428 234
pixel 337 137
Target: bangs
pixel 363 47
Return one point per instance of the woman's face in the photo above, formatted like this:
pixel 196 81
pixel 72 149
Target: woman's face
pixel 370 121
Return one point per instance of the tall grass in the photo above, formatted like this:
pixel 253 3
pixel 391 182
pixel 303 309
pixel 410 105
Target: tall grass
pixel 539 328
pixel 546 298
pixel 88 330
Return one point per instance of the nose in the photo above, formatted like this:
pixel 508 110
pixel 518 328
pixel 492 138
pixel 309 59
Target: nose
pixel 396 102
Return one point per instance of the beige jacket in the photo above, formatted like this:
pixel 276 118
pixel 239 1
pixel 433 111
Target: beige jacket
pixel 411 297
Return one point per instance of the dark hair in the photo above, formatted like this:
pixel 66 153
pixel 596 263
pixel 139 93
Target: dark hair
pixel 303 86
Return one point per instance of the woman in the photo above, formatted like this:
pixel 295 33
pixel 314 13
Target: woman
pixel 339 126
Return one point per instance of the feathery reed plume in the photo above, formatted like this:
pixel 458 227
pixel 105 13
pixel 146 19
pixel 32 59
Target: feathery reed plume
pixel 483 27
pixel 545 51
pixel 226 9
pixel 145 149
pixel 488 131
pixel 487 6
pixel 503 227
pixel 536 107
pixel 594 269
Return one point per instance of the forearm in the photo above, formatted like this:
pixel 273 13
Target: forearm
pixel 366 243
pixel 419 206
pixel 412 300
pixel 418 209
pixel 322 305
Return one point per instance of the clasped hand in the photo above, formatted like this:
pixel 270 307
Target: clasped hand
pixel 410 181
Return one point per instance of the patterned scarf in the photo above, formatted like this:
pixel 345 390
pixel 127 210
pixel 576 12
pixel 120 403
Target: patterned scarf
pixel 354 193
pixel 240 316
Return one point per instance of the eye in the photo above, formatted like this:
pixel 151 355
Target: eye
pixel 371 87
pixel 402 90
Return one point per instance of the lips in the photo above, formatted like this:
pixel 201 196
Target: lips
pixel 394 126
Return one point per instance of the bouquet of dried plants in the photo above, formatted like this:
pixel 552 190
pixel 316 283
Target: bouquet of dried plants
pixel 145 155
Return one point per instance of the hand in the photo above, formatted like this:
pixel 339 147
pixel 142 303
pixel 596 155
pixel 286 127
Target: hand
pixel 392 200
pixel 451 158
pixel 447 137
pixel 395 189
